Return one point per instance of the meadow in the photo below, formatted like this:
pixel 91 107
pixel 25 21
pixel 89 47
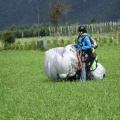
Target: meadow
pixel 26 93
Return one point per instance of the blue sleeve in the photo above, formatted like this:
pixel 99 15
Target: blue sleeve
pixel 78 45
pixel 87 44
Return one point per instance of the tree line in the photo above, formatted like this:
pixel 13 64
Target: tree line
pixel 46 29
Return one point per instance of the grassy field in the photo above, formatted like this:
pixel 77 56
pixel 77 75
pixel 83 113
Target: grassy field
pixel 27 94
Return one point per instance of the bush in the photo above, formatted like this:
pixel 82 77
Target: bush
pixel 33 45
pixel 25 45
pixel 111 40
pixel 62 42
pixel 55 43
pixel 18 45
pixel 67 42
pixel 49 44
pixel 8 37
pixel 7 46
pixel 104 40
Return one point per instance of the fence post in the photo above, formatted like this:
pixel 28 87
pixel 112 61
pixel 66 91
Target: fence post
pixel 22 34
pixel 117 38
pixel 98 36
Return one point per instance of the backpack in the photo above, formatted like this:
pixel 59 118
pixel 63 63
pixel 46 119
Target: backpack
pixel 93 42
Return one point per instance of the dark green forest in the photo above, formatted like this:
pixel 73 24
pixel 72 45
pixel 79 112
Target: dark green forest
pixel 19 12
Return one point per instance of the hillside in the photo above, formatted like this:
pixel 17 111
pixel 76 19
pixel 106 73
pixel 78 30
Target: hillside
pixel 25 11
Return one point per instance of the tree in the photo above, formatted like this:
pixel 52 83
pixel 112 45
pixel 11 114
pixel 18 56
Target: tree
pixel 8 37
pixel 57 9
pixel 93 20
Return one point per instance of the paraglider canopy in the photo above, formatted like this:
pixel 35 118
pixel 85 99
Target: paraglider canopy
pixel 60 62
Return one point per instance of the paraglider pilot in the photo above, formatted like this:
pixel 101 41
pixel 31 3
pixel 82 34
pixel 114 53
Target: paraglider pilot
pixel 83 46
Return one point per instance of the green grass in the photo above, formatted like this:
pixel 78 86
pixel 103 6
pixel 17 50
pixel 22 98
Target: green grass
pixel 27 94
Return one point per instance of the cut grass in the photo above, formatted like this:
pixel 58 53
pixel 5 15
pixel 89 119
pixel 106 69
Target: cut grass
pixel 27 94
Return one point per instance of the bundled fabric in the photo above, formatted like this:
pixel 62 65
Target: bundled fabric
pixel 61 63
pixel 99 72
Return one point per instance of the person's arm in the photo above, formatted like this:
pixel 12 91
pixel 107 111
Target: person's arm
pixel 78 44
pixel 88 44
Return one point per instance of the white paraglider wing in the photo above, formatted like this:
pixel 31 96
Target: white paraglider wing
pixel 60 62
pixel 99 72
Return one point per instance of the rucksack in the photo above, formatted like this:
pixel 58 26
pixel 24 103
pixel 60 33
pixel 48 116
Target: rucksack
pixel 93 42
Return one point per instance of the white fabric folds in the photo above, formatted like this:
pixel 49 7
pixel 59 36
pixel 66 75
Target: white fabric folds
pixel 99 72
pixel 61 62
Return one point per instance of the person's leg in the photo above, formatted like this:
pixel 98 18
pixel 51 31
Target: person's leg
pixel 83 72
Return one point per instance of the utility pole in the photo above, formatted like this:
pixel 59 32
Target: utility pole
pixel 38 22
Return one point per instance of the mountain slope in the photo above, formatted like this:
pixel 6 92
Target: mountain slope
pixel 25 11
